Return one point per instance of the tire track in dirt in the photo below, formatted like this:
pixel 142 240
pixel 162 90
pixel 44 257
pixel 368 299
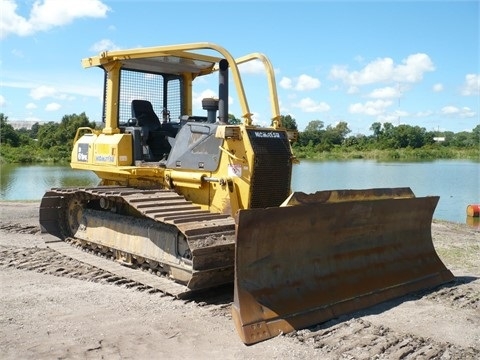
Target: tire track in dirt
pixel 464 293
pixel 48 261
pixel 20 229
pixel 359 339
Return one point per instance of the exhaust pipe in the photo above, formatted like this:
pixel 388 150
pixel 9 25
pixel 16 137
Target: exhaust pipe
pixel 223 92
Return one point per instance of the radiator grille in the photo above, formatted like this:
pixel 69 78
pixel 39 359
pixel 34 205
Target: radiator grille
pixel 272 169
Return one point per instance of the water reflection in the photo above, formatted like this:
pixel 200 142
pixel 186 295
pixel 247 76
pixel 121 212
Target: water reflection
pixel 30 182
pixel 474 222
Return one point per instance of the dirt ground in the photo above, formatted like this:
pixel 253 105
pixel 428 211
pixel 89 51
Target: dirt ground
pixel 54 307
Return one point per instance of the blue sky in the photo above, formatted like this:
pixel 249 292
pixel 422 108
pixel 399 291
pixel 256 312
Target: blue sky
pixel 414 63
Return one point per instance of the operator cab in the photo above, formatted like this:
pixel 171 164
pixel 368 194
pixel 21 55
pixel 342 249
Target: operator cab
pixel 153 139
pixel 149 95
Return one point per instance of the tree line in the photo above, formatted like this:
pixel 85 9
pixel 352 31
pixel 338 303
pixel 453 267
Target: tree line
pixel 49 142
pixel 53 141
pixel 318 139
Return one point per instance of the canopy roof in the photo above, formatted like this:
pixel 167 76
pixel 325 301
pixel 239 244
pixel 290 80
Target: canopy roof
pixel 176 59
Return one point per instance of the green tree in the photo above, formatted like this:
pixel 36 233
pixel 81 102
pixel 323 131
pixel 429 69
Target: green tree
pixel 232 120
pixel 342 130
pixel 476 135
pixel 47 135
pixel 383 135
pixel 61 134
pixel 463 139
pixel 315 126
pixel 376 127
pixel 312 135
pixel 408 136
pixel 358 141
pixel 34 130
pixel 335 135
pixel 288 122
pixel 8 135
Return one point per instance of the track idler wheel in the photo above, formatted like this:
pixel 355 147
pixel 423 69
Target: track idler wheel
pixel 72 217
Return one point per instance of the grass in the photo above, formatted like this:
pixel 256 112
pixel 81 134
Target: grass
pixel 421 154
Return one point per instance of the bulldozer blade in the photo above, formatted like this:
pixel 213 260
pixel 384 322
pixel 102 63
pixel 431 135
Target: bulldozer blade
pixel 297 266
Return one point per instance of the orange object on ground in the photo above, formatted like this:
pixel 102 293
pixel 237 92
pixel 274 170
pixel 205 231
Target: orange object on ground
pixel 473 210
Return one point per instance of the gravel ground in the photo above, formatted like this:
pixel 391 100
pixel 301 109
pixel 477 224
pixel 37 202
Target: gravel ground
pixel 55 307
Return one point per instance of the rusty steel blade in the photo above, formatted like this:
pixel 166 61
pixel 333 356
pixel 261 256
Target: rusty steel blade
pixel 297 266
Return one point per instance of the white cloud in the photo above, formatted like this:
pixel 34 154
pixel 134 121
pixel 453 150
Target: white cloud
pixel 472 85
pixel 46 14
pixel 391 118
pixel 41 92
pixel 252 67
pixel 377 71
pixel 17 84
pixel 401 113
pixel 61 90
pixel 454 111
pixel 258 120
pixel 104 45
pixel 30 106
pixel 422 114
pixel 339 72
pixel 283 108
pixel 413 68
pixel 198 97
pixel 385 93
pixel 302 83
pixel 65 97
pixel 385 70
pixel 372 108
pixel 52 107
pixel 353 90
pixel 437 87
pixel 306 82
pixel 3 102
pixel 309 105
pixel 447 110
pixel 286 83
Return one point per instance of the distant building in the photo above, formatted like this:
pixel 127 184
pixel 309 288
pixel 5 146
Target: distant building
pixel 18 124
pixel 23 124
pixel 439 138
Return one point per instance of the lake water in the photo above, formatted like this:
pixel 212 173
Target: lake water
pixel 457 182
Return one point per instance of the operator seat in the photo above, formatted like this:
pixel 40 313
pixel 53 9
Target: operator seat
pixel 142 110
pixel 152 133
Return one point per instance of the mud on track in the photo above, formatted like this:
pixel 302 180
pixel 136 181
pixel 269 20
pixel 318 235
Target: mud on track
pixel 439 324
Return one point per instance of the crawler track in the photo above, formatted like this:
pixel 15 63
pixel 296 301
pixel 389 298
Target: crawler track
pixel 155 229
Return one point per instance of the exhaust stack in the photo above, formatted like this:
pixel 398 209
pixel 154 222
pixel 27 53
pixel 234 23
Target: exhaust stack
pixel 223 92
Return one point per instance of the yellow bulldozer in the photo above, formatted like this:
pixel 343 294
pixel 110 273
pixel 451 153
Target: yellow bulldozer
pixel 203 203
